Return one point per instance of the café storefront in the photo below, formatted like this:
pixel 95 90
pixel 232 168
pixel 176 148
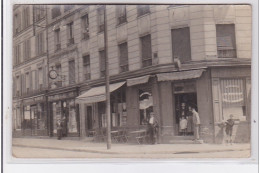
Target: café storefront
pixel 62 106
pixel 34 116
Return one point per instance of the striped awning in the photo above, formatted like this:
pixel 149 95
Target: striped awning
pixel 97 94
pixel 173 76
pixel 138 80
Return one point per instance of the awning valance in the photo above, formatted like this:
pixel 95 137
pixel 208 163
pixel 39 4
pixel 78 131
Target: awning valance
pixel 97 94
pixel 138 80
pixel 191 74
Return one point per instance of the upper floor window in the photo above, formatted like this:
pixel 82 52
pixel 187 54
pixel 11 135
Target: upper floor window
pixel 101 23
pixel 27 49
pixel 85 26
pixel 181 44
pixel 17 23
pixel 68 7
pixel 143 9
pixel 123 53
pixel 146 47
pixel 86 67
pixel 40 43
pixel 57 39
pixel 226 40
pixel 17 86
pixel 40 78
pixel 58 70
pixel 121 14
pixel 17 54
pixel 27 82
pixel 26 17
pixel 72 72
pixel 39 12
pixel 55 11
pixel 70 33
pixel 102 63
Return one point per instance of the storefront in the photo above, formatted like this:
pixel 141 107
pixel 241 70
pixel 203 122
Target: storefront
pixel 93 108
pixel 62 107
pixel 17 118
pixel 231 89
pixel 34 119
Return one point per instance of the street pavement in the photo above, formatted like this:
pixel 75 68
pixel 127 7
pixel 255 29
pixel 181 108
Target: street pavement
pixel 129 150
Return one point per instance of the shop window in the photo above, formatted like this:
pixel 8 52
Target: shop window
pixel 145 105
pixel 70 34
pixel 102 63
pixel 56 108
pixel 101 23
pixel 85 26
pixel 27 124
pixel 143 9
pixel 146 47
pixel 57 39
pixel 55 12
pixel 181 44
pixel 121 14
pixel 123 53
pixel 41 117
pixel 226 40
pixel 72 121
pixel 17 119
pixel 86 67
pixel 233 98
pixel 71 72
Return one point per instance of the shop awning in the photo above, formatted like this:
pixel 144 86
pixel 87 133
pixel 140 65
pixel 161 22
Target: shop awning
pixel 191 74
pixel 97 94
pixel 138 80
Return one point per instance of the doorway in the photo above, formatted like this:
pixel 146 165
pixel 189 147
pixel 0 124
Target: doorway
pixel 183 115
pixel 88 120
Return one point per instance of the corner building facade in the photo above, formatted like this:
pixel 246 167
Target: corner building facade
pixel 160 58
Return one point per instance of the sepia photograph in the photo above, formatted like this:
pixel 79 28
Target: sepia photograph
pixel 144 81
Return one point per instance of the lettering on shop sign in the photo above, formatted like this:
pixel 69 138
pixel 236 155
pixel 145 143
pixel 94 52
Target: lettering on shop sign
pixel 62 96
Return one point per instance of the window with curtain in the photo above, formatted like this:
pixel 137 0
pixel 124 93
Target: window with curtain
pixel 26 17
pixel 27 49
pixel 86 67
pixel 72 72
pixel 55 11
pixel 143 9
pixel 39 43
pixel 123 53
pixel 233 98
pixel 102 63
pixel 85 26
pixel 146 47
pixel 121 14
pixel 57 39
pixel 181 44
pixel 226 40
pixel 39 12
pixel 101 23
pixel 70 33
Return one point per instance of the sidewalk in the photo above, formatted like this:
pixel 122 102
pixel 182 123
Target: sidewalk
pixel 85 145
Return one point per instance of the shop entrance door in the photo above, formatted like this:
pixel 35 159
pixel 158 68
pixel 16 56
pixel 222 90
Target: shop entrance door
pixel 183 115
pixel 88 120
pixel 34 120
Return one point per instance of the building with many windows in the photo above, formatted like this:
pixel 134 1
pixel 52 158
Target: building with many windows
pixel 162 59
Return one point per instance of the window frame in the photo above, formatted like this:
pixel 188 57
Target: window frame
pixel 86 65
pixel 101 20
pixel 121 17
pixel 146 61
pixel 123 66
pixel 143 10
pixel 55 11
pixel 102 64
pixel 85 26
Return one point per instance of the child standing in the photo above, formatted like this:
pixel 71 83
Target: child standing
pixel 229 129
pixel 183 125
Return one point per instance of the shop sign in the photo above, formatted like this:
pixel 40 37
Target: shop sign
pixel 62 96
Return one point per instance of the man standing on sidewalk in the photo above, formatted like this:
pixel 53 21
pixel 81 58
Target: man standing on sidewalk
pixel 196 123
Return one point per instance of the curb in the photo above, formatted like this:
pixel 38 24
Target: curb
pixel 124 152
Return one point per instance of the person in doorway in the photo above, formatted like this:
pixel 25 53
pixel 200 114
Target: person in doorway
pixel 182 115
pixel 183 126
pixel 196 123
pixel 229 129
pixel 59 129
pixel 152 128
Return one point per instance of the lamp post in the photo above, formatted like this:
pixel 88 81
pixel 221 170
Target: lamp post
pixel 108 112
